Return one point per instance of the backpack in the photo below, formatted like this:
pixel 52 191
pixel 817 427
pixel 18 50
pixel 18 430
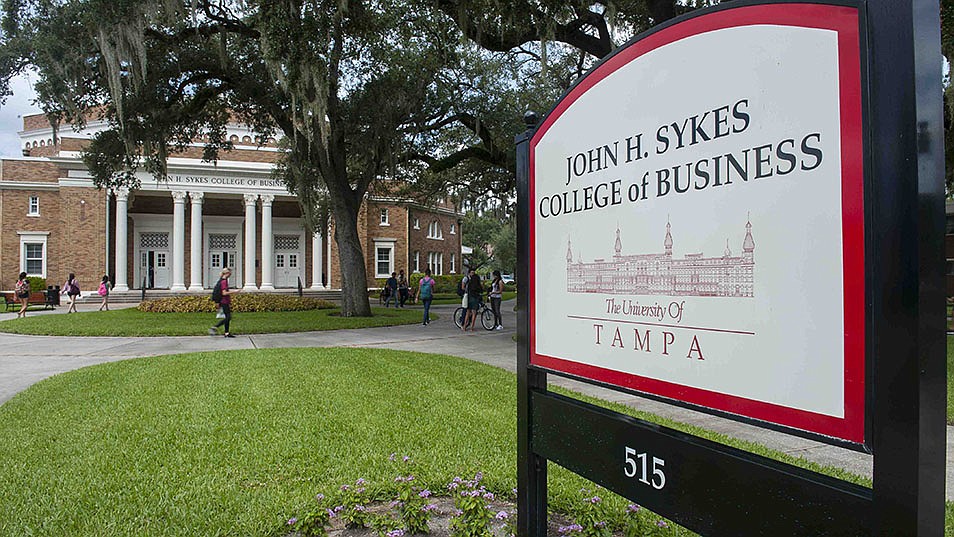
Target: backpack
pixel 102 289
pixel 426 288
pixel 217 292
pixel 460 288
pixel 23 289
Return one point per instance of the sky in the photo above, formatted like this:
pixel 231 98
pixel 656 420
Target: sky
pixel 11 114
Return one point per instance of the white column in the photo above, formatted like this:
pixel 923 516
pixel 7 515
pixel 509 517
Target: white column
pixel 120 278
pixel 329 266
pixel 268 250
pixel 316 246
pixel 249 275
pixel 178 241
pixel 195 242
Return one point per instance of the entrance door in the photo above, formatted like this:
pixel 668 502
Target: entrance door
pixel 223 252
pixel 287 269
pixel 154 259
pixel 219 260
pixel 154 268
pixel 287 260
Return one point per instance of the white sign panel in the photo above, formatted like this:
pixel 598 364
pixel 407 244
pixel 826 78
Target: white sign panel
pixel 698 219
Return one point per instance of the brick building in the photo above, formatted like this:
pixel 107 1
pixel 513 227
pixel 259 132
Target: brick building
pixel 178 233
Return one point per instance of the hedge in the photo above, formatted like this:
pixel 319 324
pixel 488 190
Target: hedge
pixel 241 302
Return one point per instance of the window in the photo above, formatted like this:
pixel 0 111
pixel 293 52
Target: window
pixel 435 260
pixel 453 262
pixel 34 209
pixel 383 258
pixel 417 223
pixel 417 261
pixel 434 230
pixel 453 229
pixel 33 253
pixel 384 218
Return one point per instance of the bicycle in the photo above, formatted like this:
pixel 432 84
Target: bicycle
pixel 485 314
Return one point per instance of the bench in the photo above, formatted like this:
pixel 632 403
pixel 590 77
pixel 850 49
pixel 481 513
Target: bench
pixel 37 298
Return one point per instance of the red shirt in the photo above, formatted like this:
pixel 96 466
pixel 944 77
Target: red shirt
pixel 226 299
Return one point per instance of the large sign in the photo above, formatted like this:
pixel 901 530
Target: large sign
pixel 697 228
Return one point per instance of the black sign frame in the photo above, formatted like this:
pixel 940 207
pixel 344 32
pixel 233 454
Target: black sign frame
pixel 904 339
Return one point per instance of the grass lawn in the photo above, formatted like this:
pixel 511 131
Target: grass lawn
pixel 132 322
pixel 235 443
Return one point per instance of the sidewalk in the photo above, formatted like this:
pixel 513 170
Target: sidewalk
pixel 25 360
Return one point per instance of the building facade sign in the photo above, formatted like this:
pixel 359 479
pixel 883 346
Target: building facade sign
pixel 698 220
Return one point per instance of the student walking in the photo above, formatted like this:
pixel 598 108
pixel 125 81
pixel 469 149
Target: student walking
pixel 403 290
pixel 496 295
pixel 104 292
pixel 224 296
pixel 71 289
pixel 391 286
pixel 22 289
pixel 425 291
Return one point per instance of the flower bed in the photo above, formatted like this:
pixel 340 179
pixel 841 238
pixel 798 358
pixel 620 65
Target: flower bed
pixel 241 302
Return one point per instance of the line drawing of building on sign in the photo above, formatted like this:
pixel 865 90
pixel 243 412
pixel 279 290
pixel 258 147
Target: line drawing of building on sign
pixel 662 274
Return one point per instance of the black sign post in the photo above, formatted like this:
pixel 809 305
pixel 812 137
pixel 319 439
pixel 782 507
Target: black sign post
pixel 717 490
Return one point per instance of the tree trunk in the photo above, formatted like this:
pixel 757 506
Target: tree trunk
pixel 354 274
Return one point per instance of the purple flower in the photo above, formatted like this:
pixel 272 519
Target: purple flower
pixel 662 524
pixel 405 459
pixel 319 497
pixel 595 500
pixel 410 478
pixel 456 480
pixel 452 486
pixel 359 482
pixel 393 504
pixel 339 508
pixel 502 515
pixel 600 524
pixel 395 533
pixel 292 521
pixel 331 514
pixel 392 456
pixel 359 508
pixel 571 528
pixel 633 508
pixel 458 512
pixel 479 476
pixel 424 493
pixel 429 507
pixel 345 488
pixel 360 490
pixel 489 496
pixel 514 491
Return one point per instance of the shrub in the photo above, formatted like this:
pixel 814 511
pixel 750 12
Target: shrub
pixel 241 302
pixel 37 283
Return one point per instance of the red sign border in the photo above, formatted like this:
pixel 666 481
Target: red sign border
pixel 845 21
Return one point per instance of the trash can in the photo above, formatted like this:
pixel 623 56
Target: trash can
pixel 53 295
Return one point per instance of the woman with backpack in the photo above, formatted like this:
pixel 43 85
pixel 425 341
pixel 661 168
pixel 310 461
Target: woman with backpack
pixel 104 292
pixel 224 299
pixel 72 290
pixel 425 291
pixel 22 290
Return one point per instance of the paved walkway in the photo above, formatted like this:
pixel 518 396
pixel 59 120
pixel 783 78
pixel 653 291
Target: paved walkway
pixel 25 360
